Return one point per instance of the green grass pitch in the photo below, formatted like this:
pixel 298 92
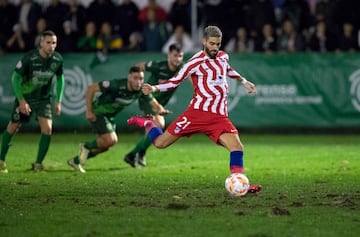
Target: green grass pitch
pixel 311 187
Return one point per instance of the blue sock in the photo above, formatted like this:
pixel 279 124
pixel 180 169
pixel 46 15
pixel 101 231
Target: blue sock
pixel 154 133
pixel 236 162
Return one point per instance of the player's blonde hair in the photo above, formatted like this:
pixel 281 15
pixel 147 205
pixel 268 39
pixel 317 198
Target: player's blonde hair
pixel 212 31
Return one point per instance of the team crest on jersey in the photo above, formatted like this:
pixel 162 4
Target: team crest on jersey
pixel 19 64
pixel 105 84
pixel 53 66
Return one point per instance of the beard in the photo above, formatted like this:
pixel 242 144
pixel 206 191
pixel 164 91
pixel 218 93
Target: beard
pixel 211 53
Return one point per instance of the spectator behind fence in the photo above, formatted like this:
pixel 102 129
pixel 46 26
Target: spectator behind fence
pixel 76 16
pixel 159 12
pixel 108 42
pixel 135 43
pixel 267 41
pixel 347 38
pixel 321 40
pixel 347 11
pixel 18 41
pixel 126 20
pixel 87 41
pixel 240 43
pixel 289 39
pixel 154 34
pixel 179 36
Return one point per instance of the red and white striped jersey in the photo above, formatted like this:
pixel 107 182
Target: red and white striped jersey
pixel 209 79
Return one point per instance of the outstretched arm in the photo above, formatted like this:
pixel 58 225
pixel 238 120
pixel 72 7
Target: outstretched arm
pixel 90 93
pixel 249 86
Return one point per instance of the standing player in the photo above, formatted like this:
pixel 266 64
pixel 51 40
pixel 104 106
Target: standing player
pixel 101 111
pixel 207 111
pixel 31 80
pixel 160 71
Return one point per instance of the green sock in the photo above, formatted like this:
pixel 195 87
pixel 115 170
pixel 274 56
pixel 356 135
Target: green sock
pixel 91 145
pixel 76 160
pixel 145 143
pixel 88 145
pixel 5 144
pixel 142 145
pixel 44 144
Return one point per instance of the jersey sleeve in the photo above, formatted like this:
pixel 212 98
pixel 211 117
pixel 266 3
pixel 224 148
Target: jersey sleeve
pixel 60 87
pixel 188 68
pixel 18 74
pixel 16 83
pixel 60 70
pixel 231 73
pixel 22 66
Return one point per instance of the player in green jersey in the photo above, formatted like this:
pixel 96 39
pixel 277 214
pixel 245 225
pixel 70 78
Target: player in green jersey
pixel 32 79
pixel 114 96
pixel 160 71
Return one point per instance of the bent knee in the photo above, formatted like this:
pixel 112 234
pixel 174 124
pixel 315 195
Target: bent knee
pixel 106 143
pixel 111 142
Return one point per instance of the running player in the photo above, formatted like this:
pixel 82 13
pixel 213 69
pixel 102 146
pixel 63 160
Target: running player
pixel 31 80
pixel 207 111
pixel 160 71
pixel 114 96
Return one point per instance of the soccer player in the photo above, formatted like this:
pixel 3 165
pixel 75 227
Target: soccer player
pixel 101 111
pixel 160 71
pixel 32 79
pixel 207 112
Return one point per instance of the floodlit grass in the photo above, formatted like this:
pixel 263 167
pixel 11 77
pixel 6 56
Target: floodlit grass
pixel 311 187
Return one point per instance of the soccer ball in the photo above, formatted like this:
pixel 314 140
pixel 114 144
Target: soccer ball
pixel 237 184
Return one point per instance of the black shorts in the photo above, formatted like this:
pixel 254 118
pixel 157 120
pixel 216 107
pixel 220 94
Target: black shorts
pixel 103 125
pixel 41 108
